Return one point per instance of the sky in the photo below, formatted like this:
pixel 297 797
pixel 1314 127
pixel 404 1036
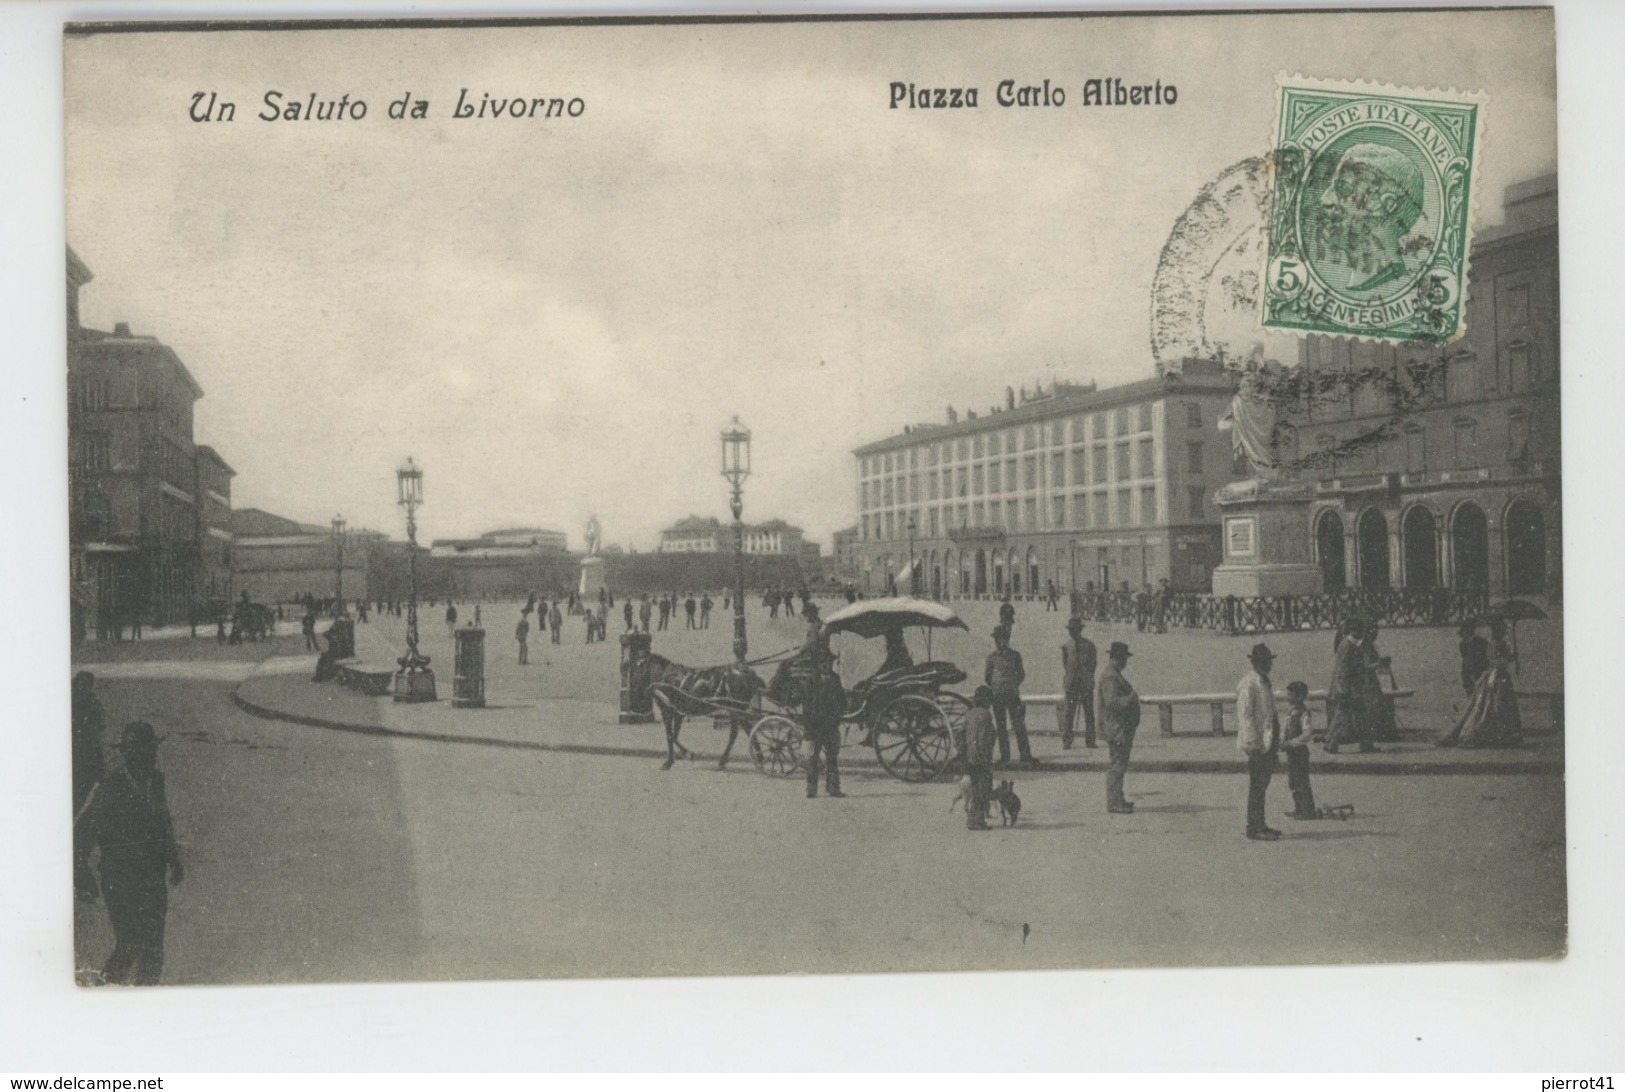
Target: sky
pixel 557 317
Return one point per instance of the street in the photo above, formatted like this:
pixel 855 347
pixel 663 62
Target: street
pixel 315 855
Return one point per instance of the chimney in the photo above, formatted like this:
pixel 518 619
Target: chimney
pixel 121 329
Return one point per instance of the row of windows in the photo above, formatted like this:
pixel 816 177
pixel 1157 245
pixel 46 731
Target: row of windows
pixel 1096 465
pixel 1078 511
pixel 1125 420
pixel 1464 446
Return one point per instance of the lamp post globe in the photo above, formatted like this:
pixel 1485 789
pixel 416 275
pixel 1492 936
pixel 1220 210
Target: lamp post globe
pixel 736 468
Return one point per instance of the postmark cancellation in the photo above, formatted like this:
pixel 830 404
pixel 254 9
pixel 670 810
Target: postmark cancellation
pixel 1370 210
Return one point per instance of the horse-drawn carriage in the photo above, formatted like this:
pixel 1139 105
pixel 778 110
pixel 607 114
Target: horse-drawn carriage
pixel 906 713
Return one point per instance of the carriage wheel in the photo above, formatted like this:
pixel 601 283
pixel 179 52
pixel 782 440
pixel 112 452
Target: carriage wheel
pixel 775 746
pixel 912 739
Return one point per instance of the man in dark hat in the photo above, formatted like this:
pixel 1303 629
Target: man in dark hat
pixel 1004 675
pixel 1117 711
pixel 821 712
pixel 128 818
pixel 1078 682
pixel 1258 736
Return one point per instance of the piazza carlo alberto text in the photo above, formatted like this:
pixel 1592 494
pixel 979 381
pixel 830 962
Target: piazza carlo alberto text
pixel 1103 91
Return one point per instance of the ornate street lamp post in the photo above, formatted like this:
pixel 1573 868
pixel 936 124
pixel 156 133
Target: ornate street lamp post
pixel 913 589
pixel 736 468
pixel 414 681
pixel 338 568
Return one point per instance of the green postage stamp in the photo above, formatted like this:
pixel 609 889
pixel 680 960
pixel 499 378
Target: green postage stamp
pixel 1371 205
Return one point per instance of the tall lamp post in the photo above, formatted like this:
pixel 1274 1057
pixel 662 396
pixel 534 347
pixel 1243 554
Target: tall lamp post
pixel 338 568
pixel 414 681
pixel 736 468
pixel 913 589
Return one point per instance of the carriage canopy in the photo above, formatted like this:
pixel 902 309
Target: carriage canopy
pixel 873 617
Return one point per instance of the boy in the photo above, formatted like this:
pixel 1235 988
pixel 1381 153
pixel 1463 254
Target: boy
pixel 979 736
pixel 1295 741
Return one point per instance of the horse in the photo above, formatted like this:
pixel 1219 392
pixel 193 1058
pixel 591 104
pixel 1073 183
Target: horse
pixel 680 692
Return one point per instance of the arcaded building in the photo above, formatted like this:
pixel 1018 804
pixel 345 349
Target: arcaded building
pixel 1072 484
pixel 1466 493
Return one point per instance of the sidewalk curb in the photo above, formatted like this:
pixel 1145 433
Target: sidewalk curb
pixel 1177 766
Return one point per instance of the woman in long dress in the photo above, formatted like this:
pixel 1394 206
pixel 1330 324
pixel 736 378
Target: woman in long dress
pixel 1491 719
pixel 1379 705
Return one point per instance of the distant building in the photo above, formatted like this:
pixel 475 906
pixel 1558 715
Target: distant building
pixel 1466 492
pixel 845 552
pixel 137 526
pixel 1073 484
pixel 513 542
pixel 708 535
pixel 279 560
pixel 213 493
pixel 510 562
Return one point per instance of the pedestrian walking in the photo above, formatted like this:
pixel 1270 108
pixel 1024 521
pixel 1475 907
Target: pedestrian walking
pixel 1347 719
pixel 477 623
pixel 979 735
pixel 307 626
pixel 1295 742
pixel 1165 603
pixel 645 611
pixel 1052 597
pixel 1475 656
pixel 1007 616
pixel 127 819
pixel 521 633
pixel 626 612
pixel 705 610
pixel 555 622
pixel 1117 712
pixel 1258 736
pixel 451 619
pixel 1078 661
pixel 688 609
pixel 821 712
pixel 1004 675
pixel 665 611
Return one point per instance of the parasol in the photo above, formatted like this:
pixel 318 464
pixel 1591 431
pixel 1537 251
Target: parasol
pixel 872 617
pixel 1515 611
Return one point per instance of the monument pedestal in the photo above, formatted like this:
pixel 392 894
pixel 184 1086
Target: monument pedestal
pixel 592 579
pixel 1266 541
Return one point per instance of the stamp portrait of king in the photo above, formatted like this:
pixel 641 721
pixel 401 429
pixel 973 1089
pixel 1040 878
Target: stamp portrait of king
pixel 1370 211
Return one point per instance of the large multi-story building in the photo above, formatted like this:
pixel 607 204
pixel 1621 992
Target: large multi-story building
pixel 1465 492
pixel 709 535
pixel 135 522
pixel 1072 484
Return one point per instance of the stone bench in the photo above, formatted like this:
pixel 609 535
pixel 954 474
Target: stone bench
pixel 369 678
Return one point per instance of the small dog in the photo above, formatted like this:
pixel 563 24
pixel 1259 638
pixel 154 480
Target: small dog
pixel 1009 802
pixel 961 794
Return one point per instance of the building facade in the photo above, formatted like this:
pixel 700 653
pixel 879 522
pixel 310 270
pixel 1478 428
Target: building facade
pixel 213 494
pixel 509 562
pixel 135 521
pixel 1073 485
pixel 708 535
pixel 279 560
pixel 845 552
pixel 1465 493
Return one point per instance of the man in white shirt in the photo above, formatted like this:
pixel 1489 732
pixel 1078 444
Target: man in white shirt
pixel 1258 734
